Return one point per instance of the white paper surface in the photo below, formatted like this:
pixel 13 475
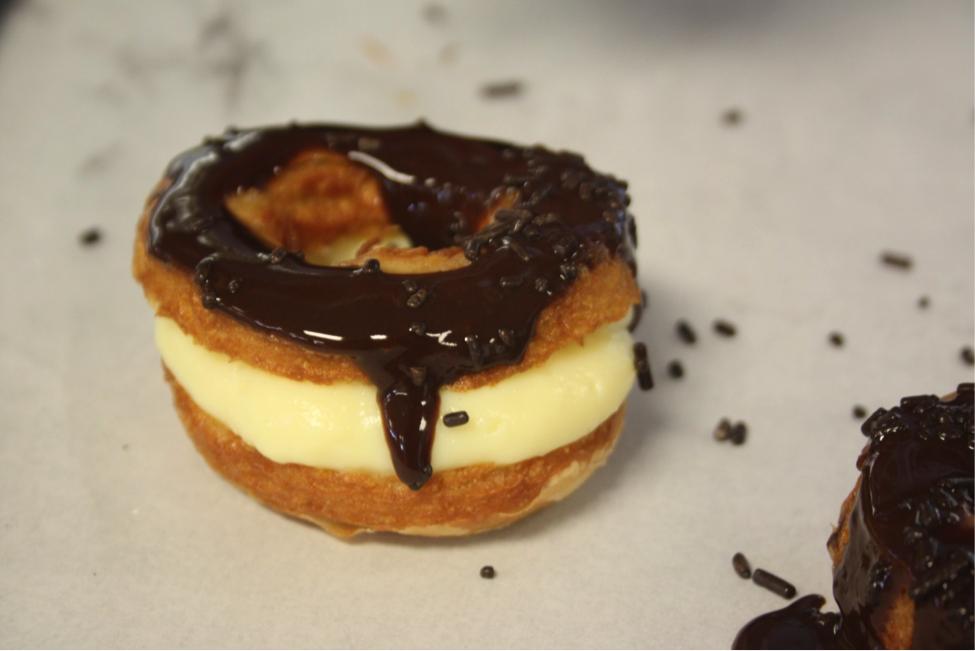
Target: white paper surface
pixel 856 137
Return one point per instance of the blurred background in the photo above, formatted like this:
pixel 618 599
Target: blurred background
pixel 775 150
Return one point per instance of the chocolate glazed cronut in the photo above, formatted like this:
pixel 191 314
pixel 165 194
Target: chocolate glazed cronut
pixel 521 244
pixel 903 549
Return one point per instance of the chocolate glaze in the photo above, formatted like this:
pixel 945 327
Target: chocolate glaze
pixel 438 188
pixel 911 532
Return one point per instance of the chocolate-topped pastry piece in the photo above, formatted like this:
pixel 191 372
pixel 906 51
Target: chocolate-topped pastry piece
pixel 903 549
pixel 902 552
pixel 418 264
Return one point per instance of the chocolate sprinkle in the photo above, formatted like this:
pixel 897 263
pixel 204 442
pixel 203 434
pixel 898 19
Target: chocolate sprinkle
pixel 456 418
pixel 487 572
pixel 924 302
pixel 738 433
pixel 899 260
pixel 417 299
pixel 90 236
pixel 675 369
pixel 418 374
pixel 642 364
pixel 686 332
pixel 501 89
pixel 732 117
pixel 723 430
pixel 512 282
pixel 773 583
pixel 742 568
pixel 968 356
pixel 474 348
pixel 837 339
pixel 725 328
pixel 859 411
pixel 418 328
pixel 410 285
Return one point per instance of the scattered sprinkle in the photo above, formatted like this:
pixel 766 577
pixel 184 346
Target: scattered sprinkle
pixel 894 259
pixel 90 236
pixel 675 369
pixel 738 433
pixel 418 328
pixel 859 411
pixel 686 332
pixel 742 568
pixel 487 572
pixel 968 355
pixel 233 286
pixel 723 430
pixel 642 364
pixel 924 302
pixel 837 339
pixel 725 328
pixel 507 336
pixel 774 584
pixel 732 117
pixel 410 285
pixel 502 89
pixel 434 13
pixel 209 300
pixel 456 418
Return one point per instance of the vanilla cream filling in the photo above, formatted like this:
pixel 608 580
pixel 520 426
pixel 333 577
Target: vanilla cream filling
pixel 338 426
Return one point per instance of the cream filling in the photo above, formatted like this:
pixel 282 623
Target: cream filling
pixel 338 426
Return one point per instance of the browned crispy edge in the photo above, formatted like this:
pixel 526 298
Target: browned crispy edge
pixel 456 502
pixel 599 296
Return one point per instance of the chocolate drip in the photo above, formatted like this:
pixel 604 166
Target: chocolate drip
pixel 799 625
pixel 436 187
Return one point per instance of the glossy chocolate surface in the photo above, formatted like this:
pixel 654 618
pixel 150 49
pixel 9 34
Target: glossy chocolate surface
pixel 911 533
pixel 410 338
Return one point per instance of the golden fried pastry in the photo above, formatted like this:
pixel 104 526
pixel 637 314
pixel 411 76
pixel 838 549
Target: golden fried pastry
pixel 393 330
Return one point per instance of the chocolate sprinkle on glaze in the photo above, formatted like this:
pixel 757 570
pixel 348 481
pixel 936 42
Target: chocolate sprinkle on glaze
pixel 773 583
pixel 686 332
pixel 741 565
pixel 456 418
pixel 362 311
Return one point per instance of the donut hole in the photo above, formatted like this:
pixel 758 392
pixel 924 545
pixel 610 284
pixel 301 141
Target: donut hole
pixel 332 210
pixel 320 204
